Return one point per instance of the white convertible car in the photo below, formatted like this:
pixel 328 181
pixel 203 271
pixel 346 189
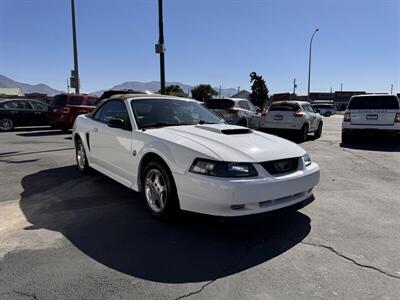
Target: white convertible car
pixel 183 157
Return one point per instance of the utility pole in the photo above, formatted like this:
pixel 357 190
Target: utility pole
pixel 67 86
pixel 309 61
pixel 238 89
pixel 220 91
pixel 294 86
pixel 391 88
pixel 75 82
pixel 341 87
pixel 160 46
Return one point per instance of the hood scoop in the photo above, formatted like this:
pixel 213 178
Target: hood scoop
pixel 224 130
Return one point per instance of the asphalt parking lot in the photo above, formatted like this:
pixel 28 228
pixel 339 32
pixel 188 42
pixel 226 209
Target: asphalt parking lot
pixel 67 236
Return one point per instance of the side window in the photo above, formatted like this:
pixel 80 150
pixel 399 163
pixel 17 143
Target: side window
pixel 311 109
pixel 252 107
pixel 38 106
pixel 18 105
pixel 98 113
pixel 114 109
pixel 244 105
pixel 75 100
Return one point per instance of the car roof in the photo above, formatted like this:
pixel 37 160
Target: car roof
pixel 291 102
pixel 374 95
pixel 147 96
pixel 233 99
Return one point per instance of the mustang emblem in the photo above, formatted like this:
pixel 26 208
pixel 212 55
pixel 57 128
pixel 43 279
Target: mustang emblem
pixel 283 166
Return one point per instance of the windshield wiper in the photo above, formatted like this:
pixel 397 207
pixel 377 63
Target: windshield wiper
pixel 201 122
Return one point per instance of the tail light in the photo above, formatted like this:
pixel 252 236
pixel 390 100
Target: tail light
pixel 298 113
pixel 233 110
pixel 347 117
pixel 65 110
pixel 397 119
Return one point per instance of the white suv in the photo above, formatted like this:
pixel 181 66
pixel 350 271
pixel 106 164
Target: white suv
pixel 298 116
pixel 371 114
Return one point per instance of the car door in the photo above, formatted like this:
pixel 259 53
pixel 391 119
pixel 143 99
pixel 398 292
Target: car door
pixel 39 111
pixel 312 116
pixel 254 116
pixel 112 147
pixel 20 111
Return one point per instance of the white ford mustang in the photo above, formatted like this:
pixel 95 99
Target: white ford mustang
pixel 183 157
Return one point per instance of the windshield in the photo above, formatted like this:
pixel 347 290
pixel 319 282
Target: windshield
pixel 284 107
pixel 374 102
pixel 219 103
pixel 170 112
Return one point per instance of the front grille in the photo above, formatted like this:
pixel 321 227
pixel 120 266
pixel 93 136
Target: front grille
pixel 281 166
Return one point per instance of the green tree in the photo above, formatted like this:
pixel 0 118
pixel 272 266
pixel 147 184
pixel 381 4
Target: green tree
pixel 173 88
pixel 203 92
pixel 259 91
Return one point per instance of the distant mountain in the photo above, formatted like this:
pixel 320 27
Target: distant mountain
pixel 154 86
pixel 6 82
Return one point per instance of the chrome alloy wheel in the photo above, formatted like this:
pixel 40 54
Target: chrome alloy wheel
pixel 155 190
pixel 6 125
pixel 81 156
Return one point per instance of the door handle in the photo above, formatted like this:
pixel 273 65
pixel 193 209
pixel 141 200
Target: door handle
pixel 95 130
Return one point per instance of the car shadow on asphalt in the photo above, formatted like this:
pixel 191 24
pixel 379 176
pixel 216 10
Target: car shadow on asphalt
pixel 374 143
pixel 110 224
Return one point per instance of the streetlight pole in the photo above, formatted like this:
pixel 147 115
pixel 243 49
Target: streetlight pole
pixel 309 61
pixel 76 67
pixel 160 46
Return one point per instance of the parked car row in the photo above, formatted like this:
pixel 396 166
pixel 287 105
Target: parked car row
pixel 60 113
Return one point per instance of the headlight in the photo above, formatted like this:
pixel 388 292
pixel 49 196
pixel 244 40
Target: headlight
pixel 307 159
pixel 222 169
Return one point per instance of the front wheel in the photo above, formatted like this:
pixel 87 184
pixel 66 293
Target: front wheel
pixel 6 125
pixel 81 158
pixel 159 191
pixel 318 132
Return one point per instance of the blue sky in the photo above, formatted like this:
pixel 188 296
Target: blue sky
pixel 207 41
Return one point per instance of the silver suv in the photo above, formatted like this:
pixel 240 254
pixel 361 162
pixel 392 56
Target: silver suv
pixel 236 111
pixel 371 114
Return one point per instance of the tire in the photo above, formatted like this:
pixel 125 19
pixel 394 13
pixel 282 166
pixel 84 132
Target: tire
pixel 303 134
pixel 243 123
pixel 318 132
pixel 81 158
pixel 6 125
pixel 159 190
pixel 346 138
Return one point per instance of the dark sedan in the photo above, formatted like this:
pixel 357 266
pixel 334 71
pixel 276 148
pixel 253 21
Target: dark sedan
pixel 22 112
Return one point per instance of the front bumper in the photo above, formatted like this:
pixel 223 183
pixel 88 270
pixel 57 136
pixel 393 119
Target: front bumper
pixel 240 197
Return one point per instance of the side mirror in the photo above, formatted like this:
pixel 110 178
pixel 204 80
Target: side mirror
pixel 117 123
pixel 258 110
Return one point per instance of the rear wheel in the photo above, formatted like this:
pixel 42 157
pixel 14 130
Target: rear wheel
pixel 6 125
pixel 81 158
pixel 318 132
pixel 159 190
pixel 303 134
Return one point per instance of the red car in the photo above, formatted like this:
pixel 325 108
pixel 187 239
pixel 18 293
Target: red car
pixel 64 109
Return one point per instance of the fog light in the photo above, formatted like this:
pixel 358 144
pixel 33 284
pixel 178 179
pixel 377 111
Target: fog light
pixel 237 207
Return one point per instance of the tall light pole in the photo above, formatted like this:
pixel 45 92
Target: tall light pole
pixel 75 74
pixel 309 61
pixel 160 46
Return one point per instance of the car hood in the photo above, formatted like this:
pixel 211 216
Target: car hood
pixel 230 143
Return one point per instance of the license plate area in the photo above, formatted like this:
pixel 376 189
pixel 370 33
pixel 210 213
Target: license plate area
pixel 278 117
pixel 372 117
